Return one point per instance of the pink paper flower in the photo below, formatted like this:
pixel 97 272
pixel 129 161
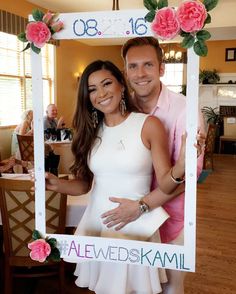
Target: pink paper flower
pixel 191 15
pixel 165 24
pixel 40 250
pixel 48 17
pixel 38 33
pixel 57 26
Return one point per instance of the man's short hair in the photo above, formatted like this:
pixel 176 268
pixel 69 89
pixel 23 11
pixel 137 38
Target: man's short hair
pixel 143 41
pixel 51 104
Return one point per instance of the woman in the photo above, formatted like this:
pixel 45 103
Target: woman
pixel 114 149
pixel 24 128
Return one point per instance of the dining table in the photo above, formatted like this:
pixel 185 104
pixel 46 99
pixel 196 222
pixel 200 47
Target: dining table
pixel 76 205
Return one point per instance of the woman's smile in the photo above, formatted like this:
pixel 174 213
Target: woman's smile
pixel 105 102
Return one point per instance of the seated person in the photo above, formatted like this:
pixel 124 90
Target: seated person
pixel 50 119
pixel 24 128
pixel 7 165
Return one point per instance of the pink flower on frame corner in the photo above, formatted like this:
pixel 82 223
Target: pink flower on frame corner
pixel 48 17
pixel 40 250
pixel 38 33
pixel 57 26
pixel 165 24
pixel 191 15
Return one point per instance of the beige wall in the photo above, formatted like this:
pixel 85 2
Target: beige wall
pixel 19 7
pixel 216 57
pixel 5 141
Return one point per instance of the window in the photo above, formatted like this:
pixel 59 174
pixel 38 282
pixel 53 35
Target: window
pixel 174 76
pixel 15 78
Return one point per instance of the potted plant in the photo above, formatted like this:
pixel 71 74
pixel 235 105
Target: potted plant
pixel 209 76
pixel 213 116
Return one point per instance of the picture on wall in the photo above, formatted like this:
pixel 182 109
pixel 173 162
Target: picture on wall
pixel 230 54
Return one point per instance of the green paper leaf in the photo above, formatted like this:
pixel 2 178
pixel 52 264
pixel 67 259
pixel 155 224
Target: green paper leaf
pixel 150 16
pixel 200 48
pixel 35 49
pixel 188 41
pixel 150 4
pixel 52 242
pixel 54 255
pixel 210 4
pixel 22 37
pixel 208 19
pixel 183 34
pixel 37 15
pixel 162 3
pixel 36 235
pixel 26 47
pixel 203 35
pixel 51 31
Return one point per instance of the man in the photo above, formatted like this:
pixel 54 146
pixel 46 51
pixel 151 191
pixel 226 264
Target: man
pixel 144 67
pixel 50 120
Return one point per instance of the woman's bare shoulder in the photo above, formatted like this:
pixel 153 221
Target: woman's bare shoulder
pixel 153 122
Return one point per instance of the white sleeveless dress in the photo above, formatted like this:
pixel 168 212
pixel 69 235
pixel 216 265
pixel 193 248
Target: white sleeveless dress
pixel 122 167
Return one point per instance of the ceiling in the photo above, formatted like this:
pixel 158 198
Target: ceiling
pixel 86 5
pixel 221 28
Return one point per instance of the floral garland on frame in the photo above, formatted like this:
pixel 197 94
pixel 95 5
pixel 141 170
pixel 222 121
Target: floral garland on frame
pixel 187 21
pixel 39 31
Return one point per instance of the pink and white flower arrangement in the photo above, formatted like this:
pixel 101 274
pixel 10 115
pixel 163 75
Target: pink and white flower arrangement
pixel 165 24
pixel 187 21
pixel 43 250
pixel 39 31
pixel 191 16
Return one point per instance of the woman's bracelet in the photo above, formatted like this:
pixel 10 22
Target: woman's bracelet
pixel 143 207
pixel 176 180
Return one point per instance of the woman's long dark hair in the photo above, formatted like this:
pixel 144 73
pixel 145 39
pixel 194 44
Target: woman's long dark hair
pixel 84 132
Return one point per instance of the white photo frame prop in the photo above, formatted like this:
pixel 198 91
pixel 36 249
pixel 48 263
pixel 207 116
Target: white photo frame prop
pixel 109 24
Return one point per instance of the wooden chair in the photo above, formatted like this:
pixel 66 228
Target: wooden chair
pixel 26 147
pixel 18 217
pixel 209 148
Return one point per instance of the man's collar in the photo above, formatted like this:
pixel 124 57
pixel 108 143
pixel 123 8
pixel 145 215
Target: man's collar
pixel 161 101
pixel 135 100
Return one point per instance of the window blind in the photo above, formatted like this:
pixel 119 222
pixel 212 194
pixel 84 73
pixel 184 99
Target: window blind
pixel 15 78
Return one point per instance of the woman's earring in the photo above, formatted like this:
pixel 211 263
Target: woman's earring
pixel 94 118
pixel 122 105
